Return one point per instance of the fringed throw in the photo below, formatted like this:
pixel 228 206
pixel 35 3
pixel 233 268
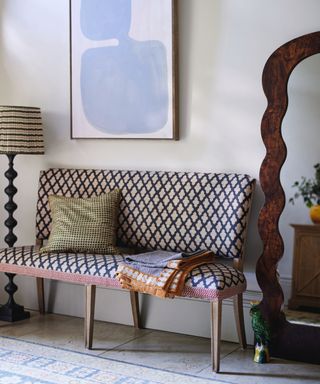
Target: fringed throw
pixel 160 273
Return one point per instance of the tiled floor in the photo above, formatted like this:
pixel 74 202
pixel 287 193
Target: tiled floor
pixel 172 352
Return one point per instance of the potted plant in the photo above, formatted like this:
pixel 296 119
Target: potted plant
pixel 309 190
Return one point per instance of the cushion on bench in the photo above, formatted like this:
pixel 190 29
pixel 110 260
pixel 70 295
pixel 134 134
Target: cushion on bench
pixel 211 281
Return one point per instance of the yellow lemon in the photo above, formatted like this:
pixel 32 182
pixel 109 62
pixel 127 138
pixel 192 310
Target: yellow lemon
pixel 315 214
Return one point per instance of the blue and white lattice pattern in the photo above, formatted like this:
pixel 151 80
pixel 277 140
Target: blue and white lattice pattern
pixel 175 211
pixel 213 278
pixel 71 263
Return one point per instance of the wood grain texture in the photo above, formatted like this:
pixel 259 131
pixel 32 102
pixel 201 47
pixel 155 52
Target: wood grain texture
pixel 239 318
pixel 216 312
pixel 90 298
pixel 40 286
pixel 40 294
pixel 134 299
pixel 306 267
pixel 275 78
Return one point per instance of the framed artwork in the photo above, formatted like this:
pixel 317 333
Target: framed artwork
pixel 123 58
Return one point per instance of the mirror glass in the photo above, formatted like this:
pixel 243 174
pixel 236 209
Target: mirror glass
pixel 301 133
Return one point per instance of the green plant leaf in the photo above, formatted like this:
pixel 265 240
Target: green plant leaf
pixel 308 189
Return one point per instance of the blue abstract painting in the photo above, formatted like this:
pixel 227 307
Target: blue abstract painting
pixel 122 86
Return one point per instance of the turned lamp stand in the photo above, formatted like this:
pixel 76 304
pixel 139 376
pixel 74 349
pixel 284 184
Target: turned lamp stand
pixel 11 311
pixel 21 133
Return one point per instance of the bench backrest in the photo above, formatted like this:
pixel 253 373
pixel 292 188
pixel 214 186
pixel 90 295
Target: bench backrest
pixel 176 211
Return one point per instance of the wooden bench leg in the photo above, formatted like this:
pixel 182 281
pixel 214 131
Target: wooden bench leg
pixel 238 313
pixel 40 292
pixel 90 294
pixel 134 298
pixel 216 308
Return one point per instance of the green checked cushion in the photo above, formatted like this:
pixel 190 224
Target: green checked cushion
pixel 84 224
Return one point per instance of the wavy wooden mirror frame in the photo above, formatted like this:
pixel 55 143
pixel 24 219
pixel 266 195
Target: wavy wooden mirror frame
pixel 291 341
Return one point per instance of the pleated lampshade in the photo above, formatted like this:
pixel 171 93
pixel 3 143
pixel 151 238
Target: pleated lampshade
pixel 21 130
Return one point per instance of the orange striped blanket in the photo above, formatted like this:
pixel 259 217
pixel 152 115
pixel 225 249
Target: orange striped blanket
pixel 160 273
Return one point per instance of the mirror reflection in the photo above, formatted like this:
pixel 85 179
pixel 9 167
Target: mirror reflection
pixel 300 266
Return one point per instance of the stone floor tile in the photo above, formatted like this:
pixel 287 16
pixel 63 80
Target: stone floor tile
pixel 67 332
pixel 31 325
pixel 163 350
pixel 239 368
pixel 176 352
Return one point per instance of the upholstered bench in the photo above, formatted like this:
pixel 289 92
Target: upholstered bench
pixel 175 211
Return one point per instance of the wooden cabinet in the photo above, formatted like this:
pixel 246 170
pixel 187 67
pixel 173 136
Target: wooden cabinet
pixel 306 267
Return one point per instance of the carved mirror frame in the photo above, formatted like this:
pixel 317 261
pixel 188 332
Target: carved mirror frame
pixel 291 341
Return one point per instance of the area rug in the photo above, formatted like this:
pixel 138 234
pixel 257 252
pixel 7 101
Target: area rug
pixel 23 362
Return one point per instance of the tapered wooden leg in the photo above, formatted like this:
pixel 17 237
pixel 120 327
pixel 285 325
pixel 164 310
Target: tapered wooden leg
pixel 134 298
pixel 238 314
pixel 40 292
pixel 216 308
pixel 90 293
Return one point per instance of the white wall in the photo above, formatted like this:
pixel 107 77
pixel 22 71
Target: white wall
pixel 223 47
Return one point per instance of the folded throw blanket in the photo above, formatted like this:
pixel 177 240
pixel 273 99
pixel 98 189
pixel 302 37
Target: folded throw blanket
pixel 160 273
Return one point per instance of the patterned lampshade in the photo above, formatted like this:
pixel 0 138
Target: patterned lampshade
pixel 21 130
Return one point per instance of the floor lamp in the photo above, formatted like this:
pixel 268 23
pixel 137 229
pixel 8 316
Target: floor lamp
pixel 20 133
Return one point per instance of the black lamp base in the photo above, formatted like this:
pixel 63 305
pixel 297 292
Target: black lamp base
pixel 11 311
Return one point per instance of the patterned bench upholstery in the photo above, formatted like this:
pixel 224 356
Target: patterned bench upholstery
pixel 177 211
pixel 209 281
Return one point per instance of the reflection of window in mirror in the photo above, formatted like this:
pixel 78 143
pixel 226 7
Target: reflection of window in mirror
pixel 301 132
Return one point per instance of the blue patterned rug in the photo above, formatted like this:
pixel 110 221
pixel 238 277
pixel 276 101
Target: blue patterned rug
pixel 23 362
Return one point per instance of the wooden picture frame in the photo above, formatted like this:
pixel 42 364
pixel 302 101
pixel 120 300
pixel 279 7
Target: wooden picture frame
pixel 124 69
